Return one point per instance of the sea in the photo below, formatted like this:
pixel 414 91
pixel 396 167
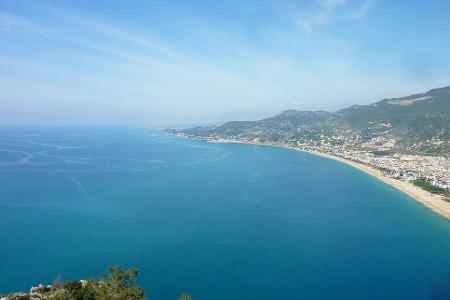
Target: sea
pixel 217 221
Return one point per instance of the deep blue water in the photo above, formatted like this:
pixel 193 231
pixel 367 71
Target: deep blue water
pixel 217 221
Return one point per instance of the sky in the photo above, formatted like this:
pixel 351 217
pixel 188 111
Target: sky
pixel 176 62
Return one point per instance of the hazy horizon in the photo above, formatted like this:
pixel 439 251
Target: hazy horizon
pixel 152 63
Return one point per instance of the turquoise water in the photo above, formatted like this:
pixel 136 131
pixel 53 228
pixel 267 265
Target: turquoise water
pixel 217 221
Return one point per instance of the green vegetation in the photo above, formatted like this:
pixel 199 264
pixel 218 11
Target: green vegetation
pixel 118 284
pixel 412 124
pixel 426 185
pixel 185 297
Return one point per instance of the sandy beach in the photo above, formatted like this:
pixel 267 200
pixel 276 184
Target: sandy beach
pixel 432 201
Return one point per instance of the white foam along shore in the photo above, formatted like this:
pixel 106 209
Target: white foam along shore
pixel 432 201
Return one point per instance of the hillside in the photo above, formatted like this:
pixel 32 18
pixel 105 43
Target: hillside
pixel 418 124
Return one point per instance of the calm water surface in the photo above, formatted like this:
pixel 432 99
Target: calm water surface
pixel 217 221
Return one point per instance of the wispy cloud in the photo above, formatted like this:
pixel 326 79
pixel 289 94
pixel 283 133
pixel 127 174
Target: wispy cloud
pixel 127 35
pixel 124 45
pixel 189 68
pixel 329 11
pixel 14 24
pixel 362 11
pixel 321 16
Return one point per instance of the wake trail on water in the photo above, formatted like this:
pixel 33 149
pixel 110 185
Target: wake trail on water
pixel 82 189
pixel 24 159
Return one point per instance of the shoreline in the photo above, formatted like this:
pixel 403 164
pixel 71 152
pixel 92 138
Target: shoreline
pixel 432 201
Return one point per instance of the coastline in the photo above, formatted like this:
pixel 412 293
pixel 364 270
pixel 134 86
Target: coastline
pixel 432 201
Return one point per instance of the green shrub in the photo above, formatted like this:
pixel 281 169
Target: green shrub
pixel 185 297
pixel 118 284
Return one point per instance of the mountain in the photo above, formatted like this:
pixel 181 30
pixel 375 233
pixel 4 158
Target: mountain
pixel 418 123
pixel 420 116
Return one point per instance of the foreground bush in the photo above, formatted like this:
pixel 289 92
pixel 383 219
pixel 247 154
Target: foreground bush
pixel 117 285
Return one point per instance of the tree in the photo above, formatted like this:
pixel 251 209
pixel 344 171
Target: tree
pixel 57 282
pixel 185 297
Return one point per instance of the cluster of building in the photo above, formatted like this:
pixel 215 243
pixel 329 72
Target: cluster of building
pixel 434 169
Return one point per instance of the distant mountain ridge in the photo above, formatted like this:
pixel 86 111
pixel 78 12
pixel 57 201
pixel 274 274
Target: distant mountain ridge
pixel 417 123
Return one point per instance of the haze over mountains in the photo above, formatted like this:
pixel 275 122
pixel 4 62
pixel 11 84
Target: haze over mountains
pixel 418 123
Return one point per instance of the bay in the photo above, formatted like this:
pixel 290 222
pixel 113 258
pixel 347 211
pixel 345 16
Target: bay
pixel 219 221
